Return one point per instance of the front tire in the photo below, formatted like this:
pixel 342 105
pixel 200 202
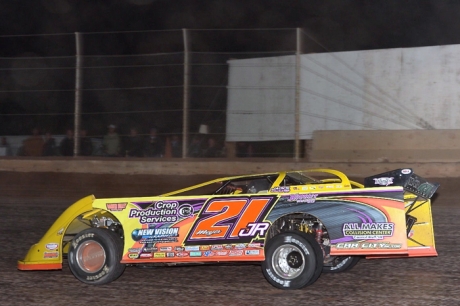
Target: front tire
pixel 94 256
pixel 292 260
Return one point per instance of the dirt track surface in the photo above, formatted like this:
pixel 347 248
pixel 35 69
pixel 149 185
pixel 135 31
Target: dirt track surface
pixel 29 203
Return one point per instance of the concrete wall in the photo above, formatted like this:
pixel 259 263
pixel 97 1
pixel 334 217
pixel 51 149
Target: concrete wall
pixel 217 167
pixel 431 153
pixel 424 146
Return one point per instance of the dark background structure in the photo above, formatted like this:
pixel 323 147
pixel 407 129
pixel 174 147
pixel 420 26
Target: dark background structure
pixel 340 24
pixel 133 53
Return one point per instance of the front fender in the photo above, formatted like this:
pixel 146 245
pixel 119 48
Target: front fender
pixel 47 253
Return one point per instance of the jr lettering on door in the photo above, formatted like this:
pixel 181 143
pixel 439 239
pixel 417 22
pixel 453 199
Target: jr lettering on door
pixel 230 218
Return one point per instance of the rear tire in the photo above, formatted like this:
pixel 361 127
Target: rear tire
pixel 94 256
pixel 292 260
pixel 341 264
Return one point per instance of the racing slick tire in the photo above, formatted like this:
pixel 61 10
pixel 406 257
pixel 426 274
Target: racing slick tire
pixel 94 256
pixel 341 264
pixel 293 260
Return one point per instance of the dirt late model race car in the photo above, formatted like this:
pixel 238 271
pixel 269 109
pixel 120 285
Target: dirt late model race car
pixel 298 224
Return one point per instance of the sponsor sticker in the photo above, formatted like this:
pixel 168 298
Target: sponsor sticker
pixel 161 212
pixel 185 210
pixel 383 181
pixel 155 235
pixel 50 255
pixel 377 230
pixel 303 198
pixel 52 246
pixel 208 232
pixel 406 171
pixel 281 189
pixel 116 206
pixel 368 245
pixel 251 252
pixel 235 253
pixel 192 248
pixel 195 254
pixel 159 255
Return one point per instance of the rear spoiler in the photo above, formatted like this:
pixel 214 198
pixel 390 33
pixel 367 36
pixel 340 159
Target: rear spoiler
pixel 405 178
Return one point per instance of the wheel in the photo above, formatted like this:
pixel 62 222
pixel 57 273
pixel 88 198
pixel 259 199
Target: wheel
pixel 292 260
pixel 340 264
pixel 94 256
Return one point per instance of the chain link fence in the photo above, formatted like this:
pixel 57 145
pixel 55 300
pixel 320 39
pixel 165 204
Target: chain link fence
pixel 135 82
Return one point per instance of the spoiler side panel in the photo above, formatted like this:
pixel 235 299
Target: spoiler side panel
pixel 420 240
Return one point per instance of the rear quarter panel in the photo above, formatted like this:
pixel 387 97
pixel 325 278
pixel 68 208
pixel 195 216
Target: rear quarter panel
pixel 366 221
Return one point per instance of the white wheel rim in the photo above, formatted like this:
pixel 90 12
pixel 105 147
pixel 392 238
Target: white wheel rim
pixel 285 260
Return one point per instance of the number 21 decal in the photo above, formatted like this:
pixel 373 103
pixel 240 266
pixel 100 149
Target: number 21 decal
pixel 235 218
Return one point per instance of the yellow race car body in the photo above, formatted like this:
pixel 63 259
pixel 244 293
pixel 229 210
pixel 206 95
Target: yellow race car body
pixel 234 219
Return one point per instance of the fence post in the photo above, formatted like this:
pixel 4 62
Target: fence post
pixel 78 79
pixel 186 93
pixel 297 95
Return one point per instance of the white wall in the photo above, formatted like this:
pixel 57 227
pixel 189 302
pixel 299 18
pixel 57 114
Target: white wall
pixel 260 99
pixel 357 90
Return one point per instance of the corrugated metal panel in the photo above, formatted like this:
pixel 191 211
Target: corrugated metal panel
pixel 411 88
